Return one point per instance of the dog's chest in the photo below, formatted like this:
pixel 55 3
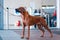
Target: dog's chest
pixel 24 20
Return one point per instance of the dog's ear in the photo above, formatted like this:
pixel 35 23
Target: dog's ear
pixel 22 9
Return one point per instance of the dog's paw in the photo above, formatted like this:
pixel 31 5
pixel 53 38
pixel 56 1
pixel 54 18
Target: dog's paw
pixel 22 37
pixel 27 37
pixel 41 36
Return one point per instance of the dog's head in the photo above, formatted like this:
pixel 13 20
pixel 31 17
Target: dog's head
pixel 20 10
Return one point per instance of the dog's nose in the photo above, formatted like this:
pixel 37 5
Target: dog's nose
pixel 17 10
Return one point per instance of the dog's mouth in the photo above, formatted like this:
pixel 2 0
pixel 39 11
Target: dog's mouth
pixel 17 10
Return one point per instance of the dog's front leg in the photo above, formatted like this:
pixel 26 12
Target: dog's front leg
pixel 23 31
pixel 28 32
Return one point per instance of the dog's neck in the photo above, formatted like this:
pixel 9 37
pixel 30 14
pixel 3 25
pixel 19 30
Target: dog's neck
pixel 25 15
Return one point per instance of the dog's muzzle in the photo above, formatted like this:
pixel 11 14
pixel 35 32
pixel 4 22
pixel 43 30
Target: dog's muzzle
pixel 17 10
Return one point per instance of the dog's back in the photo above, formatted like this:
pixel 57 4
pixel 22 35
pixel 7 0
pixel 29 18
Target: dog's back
pixel 31 20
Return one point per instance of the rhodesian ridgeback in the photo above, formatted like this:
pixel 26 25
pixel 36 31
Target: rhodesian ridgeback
pixel 29 20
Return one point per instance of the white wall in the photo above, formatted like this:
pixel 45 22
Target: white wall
pixel 12 4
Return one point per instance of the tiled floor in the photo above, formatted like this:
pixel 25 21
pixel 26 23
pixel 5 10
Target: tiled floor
pixel 35 35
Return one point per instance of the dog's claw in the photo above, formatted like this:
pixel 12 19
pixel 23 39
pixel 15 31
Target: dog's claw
pixel 22 37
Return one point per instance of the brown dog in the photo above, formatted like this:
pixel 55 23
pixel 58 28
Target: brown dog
pixel 29 20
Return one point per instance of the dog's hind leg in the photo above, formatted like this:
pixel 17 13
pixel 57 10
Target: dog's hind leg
pixel 47 28
pixel 41 28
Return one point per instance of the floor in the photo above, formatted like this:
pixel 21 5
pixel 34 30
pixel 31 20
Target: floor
pixel 34 35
